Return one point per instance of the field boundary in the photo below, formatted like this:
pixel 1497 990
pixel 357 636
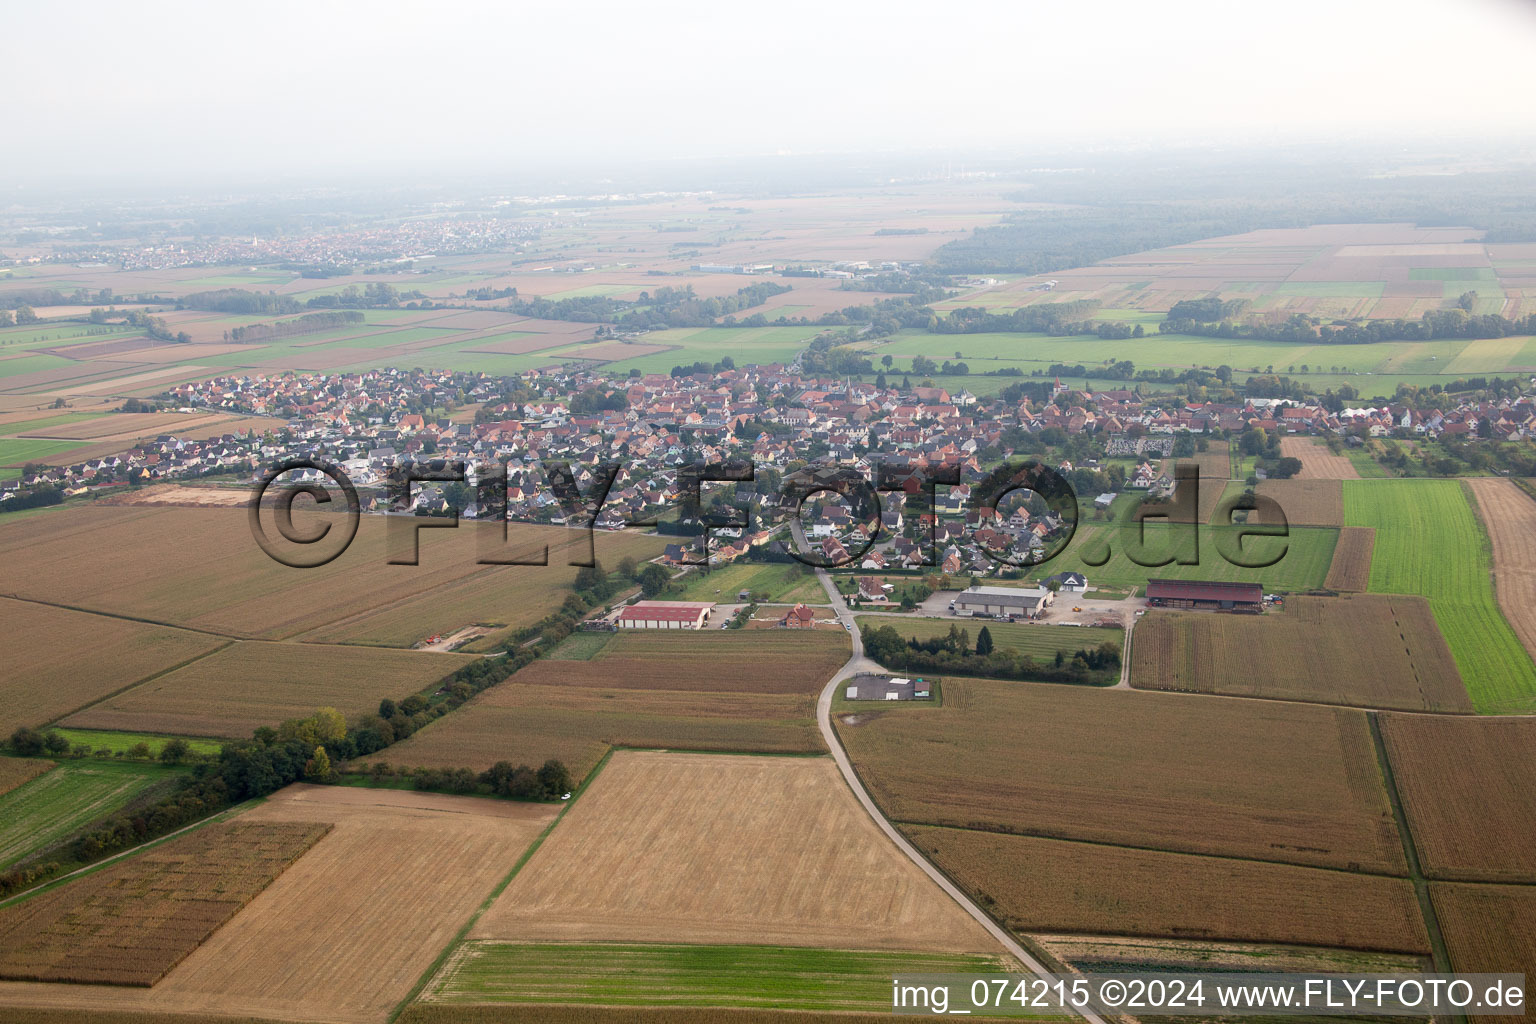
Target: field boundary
pixel 1437 946
pixel 436 966
pixel 57 721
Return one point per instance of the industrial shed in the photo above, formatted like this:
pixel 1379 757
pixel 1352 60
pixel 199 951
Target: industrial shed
pixel 1233 597
pixel 1030 602
pixel 665 615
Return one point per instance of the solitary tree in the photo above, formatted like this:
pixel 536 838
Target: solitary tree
pixel 175 751
pixel 984 641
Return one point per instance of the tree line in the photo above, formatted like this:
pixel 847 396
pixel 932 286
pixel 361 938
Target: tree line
pixel 953 654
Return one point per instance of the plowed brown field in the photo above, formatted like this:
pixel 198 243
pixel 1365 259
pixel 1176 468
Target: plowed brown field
pixel 1037 884
pixel 726 849
pixel 1351 566
pixel 132 921
pixel 1305 502
pixel 1369 650
pixel 1509 515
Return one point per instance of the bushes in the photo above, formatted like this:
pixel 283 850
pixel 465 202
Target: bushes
pixel 550 782
pixel 951 654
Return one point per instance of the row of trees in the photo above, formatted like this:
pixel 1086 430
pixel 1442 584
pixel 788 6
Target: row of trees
pixel 1435 325
pixel 310 323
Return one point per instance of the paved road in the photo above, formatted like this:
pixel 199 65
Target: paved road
pixel 856 664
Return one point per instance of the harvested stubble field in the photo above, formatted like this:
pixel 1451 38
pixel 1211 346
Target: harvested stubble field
pixel 1305 502
pixel 728 691
pixel 52 807
pixel 1509 515
pixel 1489 928
pixel 57 661
pixel 200 568
pixel 1351 568
pixel 1317 462
pixel 751 976
pixel 1269 781
pixel 410 866
pixel 251 683
pixel 1429 542
pixel 17 771
pixel 577 724
pixel 704 848
pixel 132 921
pixel 1035 884
pixel 734 661
pixel 1469 792
pixel 1369 650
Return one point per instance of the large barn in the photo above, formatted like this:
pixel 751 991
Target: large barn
pixel 1234 597
pixel 665 615
pixel 1030 602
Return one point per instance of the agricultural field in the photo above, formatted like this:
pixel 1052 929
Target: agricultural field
pixel 727 691
pixel 200 568
pixel 132 921
pixel 1269 781
pixel 781 583
pixel 1351 566
pixel 1429 542
pixel 1317 462
pixel 1034 639
pixel 1509 516
pixel 1489 928
pixel 412 866
pixel 122 742
pixel 18 771
pixel 250 683
pixel 1368 650
pixel 53 806
pixel 1034 884
pixel 1305 501
pixel 1466 787
pixel 1302 558
pixel 1114 954
pixel 58 661
pixel 725 849
pixel 753 976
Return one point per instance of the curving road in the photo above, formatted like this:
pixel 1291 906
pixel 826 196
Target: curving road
pixel 859 663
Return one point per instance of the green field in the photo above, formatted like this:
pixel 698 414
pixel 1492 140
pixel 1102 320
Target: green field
pixel 773 579
pixel 1034 639
pixel 20 452
pixel 55 805
pixel 1319 365
pixel 29 426
pixel 1429 542
pixel 711 344
pixel 763 977
pixel 580 646
pixel 1303 566
pixel 98 739
pixel 32 364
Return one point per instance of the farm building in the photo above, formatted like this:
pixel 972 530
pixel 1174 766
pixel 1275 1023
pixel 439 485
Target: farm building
pixel 1237 597
pixel 665 615
pixel 871 687
pixel 1030 602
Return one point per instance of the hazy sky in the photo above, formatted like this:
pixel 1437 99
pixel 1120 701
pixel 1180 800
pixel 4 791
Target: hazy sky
pixel 148 88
